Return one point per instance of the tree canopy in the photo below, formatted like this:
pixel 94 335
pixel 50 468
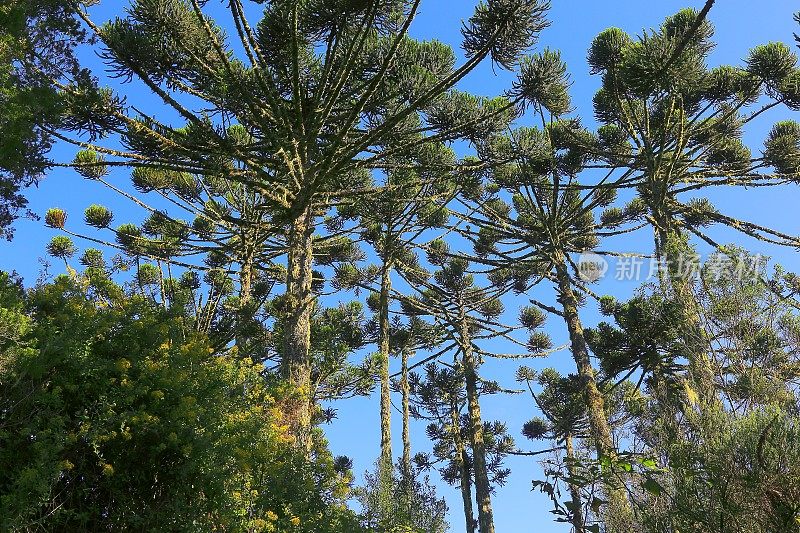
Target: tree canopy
pixel 320 213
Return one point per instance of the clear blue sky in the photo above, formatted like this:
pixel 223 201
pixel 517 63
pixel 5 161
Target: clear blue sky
pixel 740 25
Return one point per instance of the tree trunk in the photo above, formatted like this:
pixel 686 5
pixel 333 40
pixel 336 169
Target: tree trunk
pixel 677 280
pixel 296 364
pixel 245 295
pixel 162 290
pixel 574 490
pixel 406 392
pixel 618 512
pixel 461 458
pixel 246 281
pixel 483 492
pixel 386 401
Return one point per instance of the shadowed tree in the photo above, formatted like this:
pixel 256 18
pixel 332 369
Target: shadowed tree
pixel 720 467
pixel 410 505
pixel 439 397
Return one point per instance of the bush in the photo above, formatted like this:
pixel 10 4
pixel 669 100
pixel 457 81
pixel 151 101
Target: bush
pixel 115 416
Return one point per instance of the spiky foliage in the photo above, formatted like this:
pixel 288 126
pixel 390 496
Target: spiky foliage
pixel 466 313
pixel 406 339
pixel 55 218
pixel 38 42
pixel 324 92
pixel 682 123
pixel 337 333
pixel 61 247
pixel 562 420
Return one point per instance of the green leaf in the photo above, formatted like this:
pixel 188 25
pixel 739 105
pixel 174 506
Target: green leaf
pixel 596 504
pixel 649 464
pixel 652 486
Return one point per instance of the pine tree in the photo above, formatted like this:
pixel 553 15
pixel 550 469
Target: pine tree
pixel 550 218
pixel 412 199
pixel 38 42
pixel 406 340
pixel 466 313
pixel 327 91
pixel 682 123
pixel 563 421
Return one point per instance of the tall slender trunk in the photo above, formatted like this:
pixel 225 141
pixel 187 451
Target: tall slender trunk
pixel 483 494
pixel 245 295
pixel 386 401
pixel 618 513
pixel 463 468
pixel 296 364
pixel 246 280
pixel 574 490
pixel 161 287
pixel 667 427
pixel 405 390
pixel 406 479
pixel 678 280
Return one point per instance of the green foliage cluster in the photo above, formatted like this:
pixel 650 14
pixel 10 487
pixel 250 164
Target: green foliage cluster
pixel 392 503
pixel 116 415
pixel 309 158
pixel 37 42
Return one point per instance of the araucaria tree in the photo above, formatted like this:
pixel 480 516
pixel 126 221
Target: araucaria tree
pixel 317 209
pixel 681 125
pixel 551 218
pixel 325 90
pixel 467 313
pixel 38 42
pixel 412 199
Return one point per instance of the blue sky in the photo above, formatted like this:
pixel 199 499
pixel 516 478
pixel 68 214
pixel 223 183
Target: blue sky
pixel 740 25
